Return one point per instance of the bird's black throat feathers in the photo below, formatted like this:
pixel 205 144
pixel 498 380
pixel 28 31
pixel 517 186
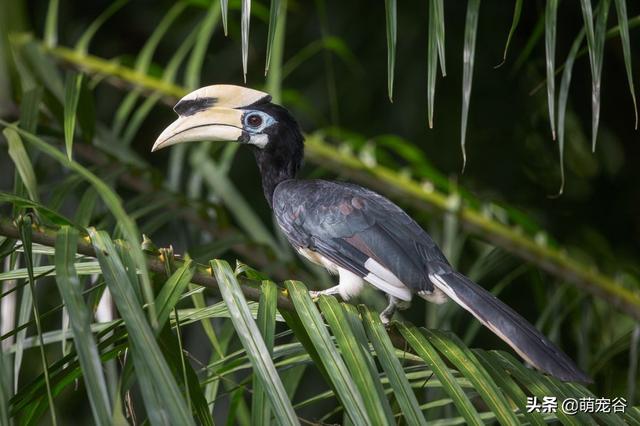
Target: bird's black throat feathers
pixel 281 158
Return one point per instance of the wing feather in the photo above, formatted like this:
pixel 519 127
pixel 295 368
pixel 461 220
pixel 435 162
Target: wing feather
pixel 351 226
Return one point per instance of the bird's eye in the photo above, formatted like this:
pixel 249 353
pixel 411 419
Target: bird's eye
pixel 254 120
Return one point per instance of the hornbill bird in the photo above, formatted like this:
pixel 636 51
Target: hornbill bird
pixel 352 231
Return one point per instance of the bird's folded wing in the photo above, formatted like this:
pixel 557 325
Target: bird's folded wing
pixel 360 231
pixel 354 259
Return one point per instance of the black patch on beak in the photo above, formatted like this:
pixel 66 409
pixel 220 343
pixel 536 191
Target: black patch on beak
pixel 245 137
pixel 191 106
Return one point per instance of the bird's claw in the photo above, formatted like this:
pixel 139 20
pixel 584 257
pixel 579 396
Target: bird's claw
pixel 386 321
pixel 314 295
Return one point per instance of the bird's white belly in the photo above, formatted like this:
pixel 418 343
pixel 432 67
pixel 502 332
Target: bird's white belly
pixel 350 285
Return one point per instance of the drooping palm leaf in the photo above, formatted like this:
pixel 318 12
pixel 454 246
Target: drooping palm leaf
pixel 245 23
pixel 391 19
pixel 84 342
pixel 427 352
pixel 22 162
pixel 468 57
pixel 266 319
pixel 595 43
pixel 111 200
pixel 72 89
pixel 354 356
pixel 623 23
pixel 251 339
pixel 432 60
pixel 25 227
pixel 517 11
pixel 550 25
pixel 391 365
pixel 161 393
pixel 334 365
pixel 563 97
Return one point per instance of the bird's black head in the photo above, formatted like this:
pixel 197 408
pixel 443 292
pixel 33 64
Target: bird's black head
pixel 280 156
pixel 247 116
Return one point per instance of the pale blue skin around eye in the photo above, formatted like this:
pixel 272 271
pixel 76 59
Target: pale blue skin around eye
pixel 267 121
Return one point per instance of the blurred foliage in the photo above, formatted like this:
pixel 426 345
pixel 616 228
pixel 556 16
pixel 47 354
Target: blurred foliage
pixel 88 86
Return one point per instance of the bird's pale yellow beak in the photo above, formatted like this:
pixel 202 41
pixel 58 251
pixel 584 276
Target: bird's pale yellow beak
pixel 212 113
pixel 213 124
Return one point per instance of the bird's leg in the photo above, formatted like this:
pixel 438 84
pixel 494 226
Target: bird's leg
pixel 350 285
pixel 387 313
pixel 394 304
pixel 327 292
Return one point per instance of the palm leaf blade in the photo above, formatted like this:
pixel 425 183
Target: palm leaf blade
pixel 550 24
pixel 391 365
pixel 509 386
pixel 260 409
pixel 30 108
pixel 224 7
pixel 352 352
pixel 21 159
pixel 111 200
pixel 470 367
pixel 329 357
pixel 82 46
pixel 426 351
pixel 391 19
pixel 80 319
pixel 5 385
pixel 25 227
pixel 534 382
pixel 432 60
pixel 439 9
pixel 51 23
pixel 595 46
pixel 72 88
pixel 165 403
pixel 623 23
pixel 515 20
pixel 245 24
pixel 274 14
pixel 470 34
pixel 563 96
pixel 254 344
pixel 172 290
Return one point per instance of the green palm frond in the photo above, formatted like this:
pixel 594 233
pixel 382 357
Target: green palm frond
pixel 189 339
pixel 348 357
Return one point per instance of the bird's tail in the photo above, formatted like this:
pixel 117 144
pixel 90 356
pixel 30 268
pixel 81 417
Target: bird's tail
pixel 528 342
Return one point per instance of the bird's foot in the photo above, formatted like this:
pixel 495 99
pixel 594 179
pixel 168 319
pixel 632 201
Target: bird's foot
pixel 385 319
pixel 327 291
pixel 394 304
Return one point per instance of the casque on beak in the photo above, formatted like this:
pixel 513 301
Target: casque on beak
pixel 212 113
